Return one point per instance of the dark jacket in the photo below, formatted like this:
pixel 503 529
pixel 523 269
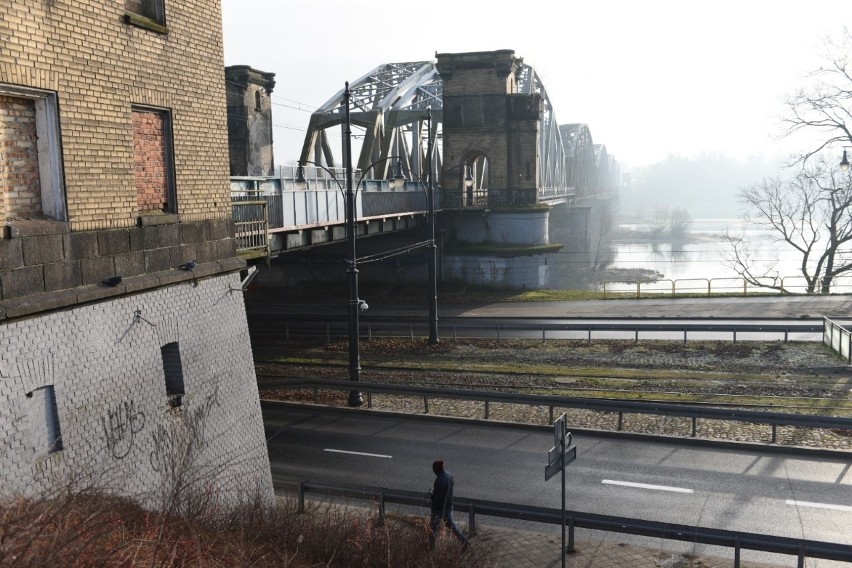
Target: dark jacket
pixel 442 494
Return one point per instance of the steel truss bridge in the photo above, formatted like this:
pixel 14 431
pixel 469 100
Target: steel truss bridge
pixel 390 102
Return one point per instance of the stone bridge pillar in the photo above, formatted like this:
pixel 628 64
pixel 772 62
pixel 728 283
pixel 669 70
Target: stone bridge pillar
pixel 489 127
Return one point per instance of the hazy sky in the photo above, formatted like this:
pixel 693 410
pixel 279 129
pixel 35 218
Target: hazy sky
pixel 649 77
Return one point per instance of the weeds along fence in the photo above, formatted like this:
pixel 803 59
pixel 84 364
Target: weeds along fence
pixel 620 408
pixel 800 548
pixel 716 286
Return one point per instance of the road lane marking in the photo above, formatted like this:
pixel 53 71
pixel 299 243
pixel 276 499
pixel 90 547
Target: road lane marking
pixel 358 453
pixel 646 486
pixel 818 505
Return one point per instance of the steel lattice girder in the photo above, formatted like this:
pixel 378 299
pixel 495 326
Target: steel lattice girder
pixel 390 103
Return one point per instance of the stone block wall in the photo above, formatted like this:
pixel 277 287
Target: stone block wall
pixel 484 116
pixel 105 367
pixel 249 94
pixel 44 266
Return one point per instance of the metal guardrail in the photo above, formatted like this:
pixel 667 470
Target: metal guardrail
pixel 620 407
pixel 717 286
pixel 400 326
pixel 801 548
pixel 838 338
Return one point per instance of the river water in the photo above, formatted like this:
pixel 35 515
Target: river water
pixel 701 256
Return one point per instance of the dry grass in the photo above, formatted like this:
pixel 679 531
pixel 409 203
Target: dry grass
pixel 92 529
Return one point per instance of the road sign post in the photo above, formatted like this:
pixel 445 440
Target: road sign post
pixel 560 455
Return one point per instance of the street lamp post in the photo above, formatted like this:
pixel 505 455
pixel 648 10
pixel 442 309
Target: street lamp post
pixel 354 303
pixel 844 163
pixel 355 398
pixel 433 248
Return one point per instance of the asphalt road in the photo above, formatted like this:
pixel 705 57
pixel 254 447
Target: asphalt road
pixel 754 491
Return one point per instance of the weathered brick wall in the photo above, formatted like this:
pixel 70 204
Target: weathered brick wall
pixel 19 178
pixel 104 362
pixel 149 161
pixel 100 66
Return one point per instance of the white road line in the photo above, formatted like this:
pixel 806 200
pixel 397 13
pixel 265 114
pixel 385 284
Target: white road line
pixel 818 505
pixel 358 453
pixel 647 486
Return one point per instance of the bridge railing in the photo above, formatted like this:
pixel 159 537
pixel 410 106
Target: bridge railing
pixel 736 540
pixel 251 227
pixel 324 203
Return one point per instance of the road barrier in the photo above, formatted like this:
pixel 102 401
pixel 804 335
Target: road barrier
pixel 737 540
pixel 620 407
pixel 402 326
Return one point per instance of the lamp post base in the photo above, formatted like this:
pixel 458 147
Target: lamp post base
pixel 355 399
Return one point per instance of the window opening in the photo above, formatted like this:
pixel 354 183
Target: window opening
pixel 44 420
pixel 151 9
pixel 31 177
pixel 173 370
pixel 153 160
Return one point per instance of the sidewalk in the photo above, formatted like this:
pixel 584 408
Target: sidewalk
pixel 517 548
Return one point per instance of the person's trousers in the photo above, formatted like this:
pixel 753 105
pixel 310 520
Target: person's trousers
pixel 449 522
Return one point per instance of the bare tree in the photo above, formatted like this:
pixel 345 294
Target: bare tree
pixel 679 221
pixel 810 213
pixel 826 105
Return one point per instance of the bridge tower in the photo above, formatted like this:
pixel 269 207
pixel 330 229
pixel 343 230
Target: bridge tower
pixel 489 128
pixel 492 133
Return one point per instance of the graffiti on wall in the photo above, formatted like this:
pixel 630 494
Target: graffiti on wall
pixel 177 442
pixel 120 426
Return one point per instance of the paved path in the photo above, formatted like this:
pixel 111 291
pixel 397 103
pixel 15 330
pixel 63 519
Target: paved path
pixel 529 549
pixel 727 307
pixel 834 306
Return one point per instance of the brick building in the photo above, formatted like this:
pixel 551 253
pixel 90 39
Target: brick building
pixel 123 336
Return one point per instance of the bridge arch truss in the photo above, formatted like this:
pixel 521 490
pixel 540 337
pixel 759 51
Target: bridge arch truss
pixel 388 106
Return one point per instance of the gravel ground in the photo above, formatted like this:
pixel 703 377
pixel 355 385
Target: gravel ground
pixel 795 371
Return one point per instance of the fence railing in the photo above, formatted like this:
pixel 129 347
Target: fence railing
pixel 545 328
pixel 737 540
pixel 716 286
pixel 551 402
pixel 838 338
pixel 324 202
pixel 251 227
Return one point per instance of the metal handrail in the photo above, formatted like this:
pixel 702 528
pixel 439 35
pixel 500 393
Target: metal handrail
pixel 737 540
pixel 621 407
pixel 735 286
pixel 544 325
pixel 838 338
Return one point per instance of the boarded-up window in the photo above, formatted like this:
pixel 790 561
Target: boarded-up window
pixel 19 177
pixel 152 160
pixel 44 421
pixel 30 157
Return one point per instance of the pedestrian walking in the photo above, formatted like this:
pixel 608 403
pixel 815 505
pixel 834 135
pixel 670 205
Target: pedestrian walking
pixel 442 503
